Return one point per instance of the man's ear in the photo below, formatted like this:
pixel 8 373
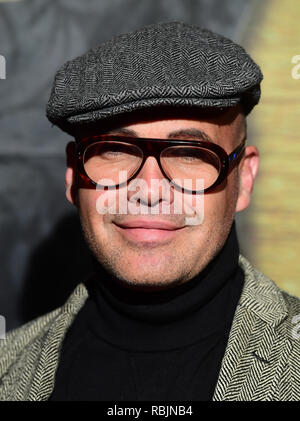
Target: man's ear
pixel 248 168
pixel 70 177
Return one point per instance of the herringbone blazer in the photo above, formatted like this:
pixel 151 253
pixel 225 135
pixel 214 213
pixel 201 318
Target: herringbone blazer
pixel 261 361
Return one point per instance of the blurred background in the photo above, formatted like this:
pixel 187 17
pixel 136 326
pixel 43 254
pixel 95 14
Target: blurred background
pixel 42 255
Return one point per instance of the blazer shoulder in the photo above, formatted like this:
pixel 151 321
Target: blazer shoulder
pixel 24 338
pixel 280 312
pixel 263 296
pixel 29 339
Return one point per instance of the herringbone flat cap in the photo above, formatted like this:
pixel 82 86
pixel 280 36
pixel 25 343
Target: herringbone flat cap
pixel 168 63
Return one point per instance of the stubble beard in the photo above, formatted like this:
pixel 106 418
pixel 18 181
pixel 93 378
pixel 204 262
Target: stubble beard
pixel 110 258
pixel 176 266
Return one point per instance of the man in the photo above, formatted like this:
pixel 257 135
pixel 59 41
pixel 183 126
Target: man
pixel 158 169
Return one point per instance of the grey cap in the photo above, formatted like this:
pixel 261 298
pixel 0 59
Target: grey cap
pixel 171 63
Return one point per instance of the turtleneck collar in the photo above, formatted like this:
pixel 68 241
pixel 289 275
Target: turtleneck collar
pixel 172 318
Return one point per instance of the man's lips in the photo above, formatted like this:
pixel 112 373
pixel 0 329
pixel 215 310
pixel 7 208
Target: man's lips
pixel 143 230
pixel 149 224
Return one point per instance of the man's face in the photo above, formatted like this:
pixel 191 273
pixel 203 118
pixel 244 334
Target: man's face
pixel 158 250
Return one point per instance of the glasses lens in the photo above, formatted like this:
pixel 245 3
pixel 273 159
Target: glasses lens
pixel 111 163
pixel 192 168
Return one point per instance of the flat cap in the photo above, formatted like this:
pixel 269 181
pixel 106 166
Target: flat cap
pixel 169 63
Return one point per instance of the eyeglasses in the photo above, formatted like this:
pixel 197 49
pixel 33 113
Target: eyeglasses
pixel 110 161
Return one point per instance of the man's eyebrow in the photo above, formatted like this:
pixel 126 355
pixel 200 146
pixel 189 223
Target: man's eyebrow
pixel 191 134
pixel 123 131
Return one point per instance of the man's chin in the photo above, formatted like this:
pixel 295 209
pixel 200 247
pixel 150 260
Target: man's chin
pixel 149 285
pixel 141 277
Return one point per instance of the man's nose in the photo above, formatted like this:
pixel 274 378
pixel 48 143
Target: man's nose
pixel 150 187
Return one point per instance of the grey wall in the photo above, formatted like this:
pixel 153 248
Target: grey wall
pixel 42 255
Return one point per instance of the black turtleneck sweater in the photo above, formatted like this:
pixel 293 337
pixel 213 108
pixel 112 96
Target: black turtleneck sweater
pixel 167 345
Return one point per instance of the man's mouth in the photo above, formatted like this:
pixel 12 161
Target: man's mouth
pixel 145 230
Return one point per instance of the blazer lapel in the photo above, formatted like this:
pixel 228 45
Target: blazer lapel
pixel 257 349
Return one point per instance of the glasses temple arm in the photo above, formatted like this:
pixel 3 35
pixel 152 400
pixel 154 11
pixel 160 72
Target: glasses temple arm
pixel 236 153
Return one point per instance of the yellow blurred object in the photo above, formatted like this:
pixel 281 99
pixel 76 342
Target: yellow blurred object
pixel 275 207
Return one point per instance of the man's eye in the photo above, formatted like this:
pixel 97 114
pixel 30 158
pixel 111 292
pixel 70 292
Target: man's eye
pixel 188 155
pixel 113 151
